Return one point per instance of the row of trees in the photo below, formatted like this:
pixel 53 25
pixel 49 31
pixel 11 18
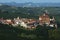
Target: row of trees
pixel 17 33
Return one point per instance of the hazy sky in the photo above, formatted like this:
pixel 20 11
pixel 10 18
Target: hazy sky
pixel 20 1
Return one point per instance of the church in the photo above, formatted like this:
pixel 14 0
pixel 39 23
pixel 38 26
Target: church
pixel 45 19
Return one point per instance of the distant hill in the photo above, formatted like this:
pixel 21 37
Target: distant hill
pixel 30 4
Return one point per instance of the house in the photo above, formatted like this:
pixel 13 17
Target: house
pixel 53 22
pixel 8 21
pixel 16 21
pixel 23 24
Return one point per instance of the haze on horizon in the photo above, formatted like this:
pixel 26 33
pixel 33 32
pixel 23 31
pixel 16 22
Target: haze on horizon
pixel 34 1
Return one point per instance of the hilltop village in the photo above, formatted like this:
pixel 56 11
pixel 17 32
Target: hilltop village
pixel 31 23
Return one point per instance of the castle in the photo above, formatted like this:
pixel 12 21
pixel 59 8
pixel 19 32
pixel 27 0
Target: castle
pixel 45 19
pixel 31 23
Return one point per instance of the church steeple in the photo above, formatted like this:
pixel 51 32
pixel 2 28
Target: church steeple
pixel 45 12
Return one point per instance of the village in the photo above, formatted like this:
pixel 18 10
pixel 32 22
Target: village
pixel 31 23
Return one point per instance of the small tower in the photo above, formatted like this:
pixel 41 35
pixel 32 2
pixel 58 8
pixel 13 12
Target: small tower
pixel 52 19
pixel 18 18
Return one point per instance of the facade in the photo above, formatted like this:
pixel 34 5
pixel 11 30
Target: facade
pixel 44 19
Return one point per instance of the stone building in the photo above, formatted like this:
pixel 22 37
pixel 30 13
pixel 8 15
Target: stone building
pixel 44 19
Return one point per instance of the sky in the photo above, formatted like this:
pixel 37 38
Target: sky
pixel 35 1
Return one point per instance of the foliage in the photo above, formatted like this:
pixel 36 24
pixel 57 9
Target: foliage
pixel 16 33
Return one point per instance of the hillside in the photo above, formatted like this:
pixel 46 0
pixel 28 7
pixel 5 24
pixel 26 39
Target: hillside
pixel 8 32
pixel 27 12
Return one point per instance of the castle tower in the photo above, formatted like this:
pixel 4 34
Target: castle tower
pixel 18 18
pixel 52 19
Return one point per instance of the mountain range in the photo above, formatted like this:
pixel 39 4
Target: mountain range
pixel 30 4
